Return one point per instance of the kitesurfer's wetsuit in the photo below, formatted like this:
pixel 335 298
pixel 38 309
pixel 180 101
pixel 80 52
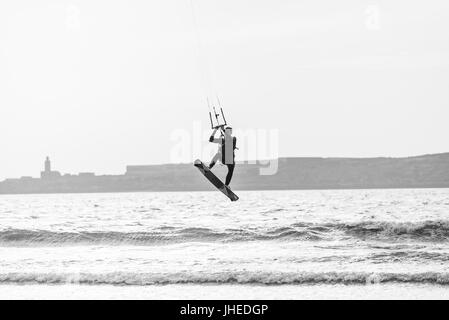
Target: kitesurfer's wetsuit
pixel 225 153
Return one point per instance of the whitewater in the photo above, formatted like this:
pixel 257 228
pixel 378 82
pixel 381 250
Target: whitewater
pixel 325 244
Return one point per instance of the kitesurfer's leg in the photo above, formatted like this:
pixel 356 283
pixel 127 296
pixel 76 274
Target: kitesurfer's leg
pixel 214 160
pixel 230 173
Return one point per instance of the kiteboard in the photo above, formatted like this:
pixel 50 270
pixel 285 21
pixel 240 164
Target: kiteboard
pixel 215 181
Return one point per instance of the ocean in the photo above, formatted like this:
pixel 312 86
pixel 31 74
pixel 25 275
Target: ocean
pixel 326 244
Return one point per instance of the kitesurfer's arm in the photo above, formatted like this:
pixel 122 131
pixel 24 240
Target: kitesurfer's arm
pixel 212 137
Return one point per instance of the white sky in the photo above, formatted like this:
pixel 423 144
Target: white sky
pixel 98 84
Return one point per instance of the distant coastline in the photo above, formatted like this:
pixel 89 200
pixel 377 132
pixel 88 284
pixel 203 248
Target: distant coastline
pixel 426 171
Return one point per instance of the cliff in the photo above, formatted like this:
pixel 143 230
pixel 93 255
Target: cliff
pixel 428 171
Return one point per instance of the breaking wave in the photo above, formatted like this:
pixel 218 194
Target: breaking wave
pixel 42 237
pixel 256 278
pixel 425 230
pixel 384 231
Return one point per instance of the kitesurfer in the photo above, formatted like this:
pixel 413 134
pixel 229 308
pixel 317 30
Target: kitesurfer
pixel 226 150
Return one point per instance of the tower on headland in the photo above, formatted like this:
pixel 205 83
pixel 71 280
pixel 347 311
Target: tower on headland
pixel 47 165
pixel 48 173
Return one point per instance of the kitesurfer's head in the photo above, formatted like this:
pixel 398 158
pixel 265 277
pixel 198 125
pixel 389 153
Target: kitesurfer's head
pixel 228 130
